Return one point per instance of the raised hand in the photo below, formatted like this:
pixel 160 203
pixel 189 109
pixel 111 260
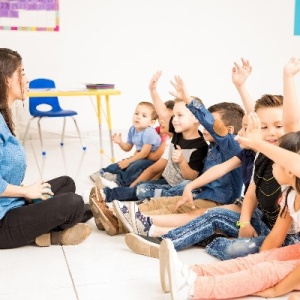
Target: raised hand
pixel 117 138
pixel 253 135
pixel 180 90
pixel 292 67
pixel 154 80
pixel 241 72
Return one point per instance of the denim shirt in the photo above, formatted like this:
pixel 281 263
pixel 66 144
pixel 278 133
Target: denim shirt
pixel 12 167
pixel 227 188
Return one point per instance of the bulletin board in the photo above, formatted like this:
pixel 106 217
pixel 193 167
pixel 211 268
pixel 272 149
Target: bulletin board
pixel 30 15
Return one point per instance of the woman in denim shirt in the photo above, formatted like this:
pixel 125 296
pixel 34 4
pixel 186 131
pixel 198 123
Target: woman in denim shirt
pixel 44 212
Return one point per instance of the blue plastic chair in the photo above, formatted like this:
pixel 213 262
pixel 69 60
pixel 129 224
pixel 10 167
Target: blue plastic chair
pixel 54 112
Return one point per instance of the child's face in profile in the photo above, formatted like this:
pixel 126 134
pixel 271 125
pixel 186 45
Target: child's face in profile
pixel 163 127
pixel 183 119
pixel 142 117
pixel 271 123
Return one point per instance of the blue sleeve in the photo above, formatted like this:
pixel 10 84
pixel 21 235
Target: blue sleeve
pixel 130 135
pixel 151 137
pixel 3 183
pixel 206 119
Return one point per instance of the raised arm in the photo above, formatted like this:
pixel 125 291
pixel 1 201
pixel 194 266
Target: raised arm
pixel 240 73
pixel 279 231
pixel 287 159
pixel 291 114
pixel 159 105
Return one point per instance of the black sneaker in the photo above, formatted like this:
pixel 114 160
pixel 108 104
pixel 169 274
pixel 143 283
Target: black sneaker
pixel 209 239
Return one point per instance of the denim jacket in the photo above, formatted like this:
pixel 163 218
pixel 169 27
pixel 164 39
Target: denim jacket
pixel 227 188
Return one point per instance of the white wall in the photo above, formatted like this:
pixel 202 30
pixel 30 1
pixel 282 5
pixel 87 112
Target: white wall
pixel 125 42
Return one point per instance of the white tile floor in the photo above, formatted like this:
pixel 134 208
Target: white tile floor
pixel 100 268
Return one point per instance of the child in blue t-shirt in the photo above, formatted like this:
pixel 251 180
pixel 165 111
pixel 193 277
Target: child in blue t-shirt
pixel 144 137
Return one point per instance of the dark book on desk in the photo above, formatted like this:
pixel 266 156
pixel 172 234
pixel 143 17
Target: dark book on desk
pixel 100 86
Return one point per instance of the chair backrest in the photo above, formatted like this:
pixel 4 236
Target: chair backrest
pixel 42 83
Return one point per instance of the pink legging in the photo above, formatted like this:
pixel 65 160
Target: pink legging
pixel 245 275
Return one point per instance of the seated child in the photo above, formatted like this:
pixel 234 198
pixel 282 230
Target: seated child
pixel 144 137
pixel 271 273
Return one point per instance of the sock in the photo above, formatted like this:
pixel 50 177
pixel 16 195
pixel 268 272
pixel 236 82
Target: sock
pixel 151 230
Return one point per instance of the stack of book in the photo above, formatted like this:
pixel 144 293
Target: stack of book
pixel 100 86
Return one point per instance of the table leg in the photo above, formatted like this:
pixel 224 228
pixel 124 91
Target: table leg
pixel 109 127
pixel 100 122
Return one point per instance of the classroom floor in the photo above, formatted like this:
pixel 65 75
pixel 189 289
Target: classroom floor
pixel 102 267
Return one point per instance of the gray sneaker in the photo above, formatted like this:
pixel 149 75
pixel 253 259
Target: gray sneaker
pixel 109 176
pixel 144 245
pixel 94 176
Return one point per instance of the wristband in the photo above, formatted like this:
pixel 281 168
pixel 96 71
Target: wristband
pixel 241 224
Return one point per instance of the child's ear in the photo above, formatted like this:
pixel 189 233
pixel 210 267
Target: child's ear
pixel 152 123
pixel 230 129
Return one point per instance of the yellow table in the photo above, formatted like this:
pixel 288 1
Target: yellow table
pixel 98 93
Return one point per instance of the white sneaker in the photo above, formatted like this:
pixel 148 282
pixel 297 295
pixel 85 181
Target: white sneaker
pixel 102 183
pixel 174 275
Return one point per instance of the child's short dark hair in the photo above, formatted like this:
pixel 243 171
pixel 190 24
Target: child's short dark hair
pixel 231 114
pixel 291 142
pixel 170 104
pixel 268 100
pixel 154 115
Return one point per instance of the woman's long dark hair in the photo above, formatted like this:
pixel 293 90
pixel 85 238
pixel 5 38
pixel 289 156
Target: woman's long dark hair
pixel 291 142
pixel 10 61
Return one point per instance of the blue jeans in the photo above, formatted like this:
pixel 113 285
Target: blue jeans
pixel 121 193
pixel 205 226
pixel 159 188
pixel 224 249
pixel 127 176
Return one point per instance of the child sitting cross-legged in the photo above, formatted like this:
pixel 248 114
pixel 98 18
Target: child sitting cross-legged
pixel 146 140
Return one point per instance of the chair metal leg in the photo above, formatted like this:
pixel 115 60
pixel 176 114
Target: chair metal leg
pixel 27 130
pixel 79 134
pixel 63 133
pixel 41 138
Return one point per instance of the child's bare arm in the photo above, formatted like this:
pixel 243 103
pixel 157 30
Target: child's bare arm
pixel 159 105
pixel 117 139
pixel 136 156
pixel 208 176
pixel 240 73
pixel 285 158
pixel 278 233
pixel 248 207
pixel 152 171
pixel 291 113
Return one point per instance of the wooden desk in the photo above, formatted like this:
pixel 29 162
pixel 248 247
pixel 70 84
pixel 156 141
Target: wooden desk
pixel 98 93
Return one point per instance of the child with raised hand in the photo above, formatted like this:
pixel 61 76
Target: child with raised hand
pixel 270 273
pixel 143 136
